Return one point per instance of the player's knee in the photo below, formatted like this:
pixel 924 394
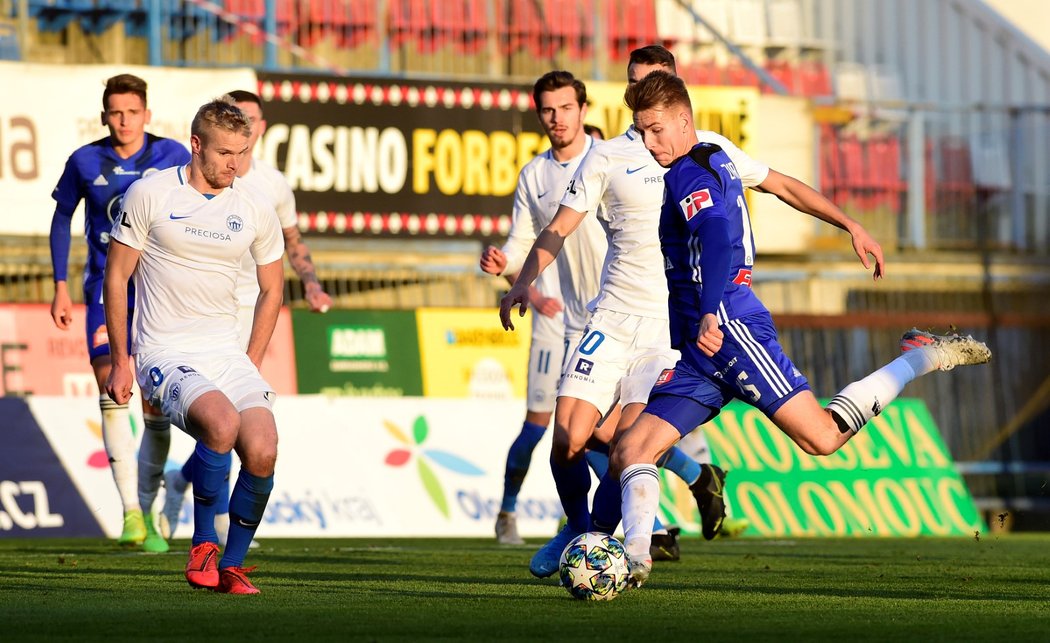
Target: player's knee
pixel 823 443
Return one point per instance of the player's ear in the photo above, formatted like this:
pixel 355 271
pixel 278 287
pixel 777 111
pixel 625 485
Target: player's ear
pixel 102 118
pixel 262 127
pixel 149 115
pixel 195 144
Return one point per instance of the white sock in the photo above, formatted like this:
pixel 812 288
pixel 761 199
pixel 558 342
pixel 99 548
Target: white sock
pixel 153 453
pixel 120 447
pixel 222 528
pixel 864 399
pixel 640 499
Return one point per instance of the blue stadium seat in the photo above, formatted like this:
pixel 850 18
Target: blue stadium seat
pixel 107 13
pixel 55 15
pixel 9 43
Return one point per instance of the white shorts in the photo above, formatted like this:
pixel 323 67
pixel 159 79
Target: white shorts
pixel 173 381
pixel 545 361
pixel 617 346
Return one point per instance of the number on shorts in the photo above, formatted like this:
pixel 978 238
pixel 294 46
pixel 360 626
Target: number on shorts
pixel 749 390
pixel 591 342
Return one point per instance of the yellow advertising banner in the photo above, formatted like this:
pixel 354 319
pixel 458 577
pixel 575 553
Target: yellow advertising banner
pixel 730 111
pixel 466 353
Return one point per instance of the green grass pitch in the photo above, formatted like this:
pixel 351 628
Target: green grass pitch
pixel 990 587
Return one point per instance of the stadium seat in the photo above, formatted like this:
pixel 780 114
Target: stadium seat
pixel 631 24
pixel 814 79
pixel 785 73
pixel 475 28
pixel 184 19
pixel 447 24
pixel 55 15
pixel 407 22
pixel 9 49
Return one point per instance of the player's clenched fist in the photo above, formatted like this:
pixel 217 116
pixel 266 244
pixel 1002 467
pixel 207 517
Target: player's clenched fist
pixel 493 260
pixel 709 339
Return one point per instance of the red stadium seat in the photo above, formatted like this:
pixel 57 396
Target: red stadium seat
pixel 407 22
pixel 631 24
pixel 814 79
pixel 785 73
pixel 475 27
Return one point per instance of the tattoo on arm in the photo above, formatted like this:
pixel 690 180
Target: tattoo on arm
pixel 299 257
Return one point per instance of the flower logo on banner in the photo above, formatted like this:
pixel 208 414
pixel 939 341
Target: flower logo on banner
pixel 444 459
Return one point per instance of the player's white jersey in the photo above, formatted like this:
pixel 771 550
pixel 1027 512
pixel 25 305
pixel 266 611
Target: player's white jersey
pixel 267 183
pixel 191 248
pixel 548 329
pixel 541 185
pixel 622 182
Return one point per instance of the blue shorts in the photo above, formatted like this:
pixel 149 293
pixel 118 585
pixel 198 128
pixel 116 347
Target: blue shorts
pixel 751 366
pixel 95 318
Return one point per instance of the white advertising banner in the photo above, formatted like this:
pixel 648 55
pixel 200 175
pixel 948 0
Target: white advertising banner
pixel 56 109
pixel 349 466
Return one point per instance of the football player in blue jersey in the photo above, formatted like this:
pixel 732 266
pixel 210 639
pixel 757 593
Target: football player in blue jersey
pixel 99 173
pixel 725 334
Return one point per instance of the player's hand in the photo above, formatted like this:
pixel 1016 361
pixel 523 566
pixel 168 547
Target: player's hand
pixel 518 295
pixel 318 299
pixel 493 260
pixel 118 384
pixel 864 244
pixel 62 308
pixel 548 307
pixel 709 339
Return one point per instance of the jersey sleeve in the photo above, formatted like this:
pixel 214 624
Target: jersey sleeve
pixel 522 229
pixel 286 213
pixel 751 172
pixel 699 197
pixel 67 196
pixel 701 202
pixel 132 226
pixel 269 239
pixel 587 187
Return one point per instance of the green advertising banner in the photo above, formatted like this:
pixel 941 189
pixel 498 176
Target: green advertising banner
pixel 895 478
pixel 358 353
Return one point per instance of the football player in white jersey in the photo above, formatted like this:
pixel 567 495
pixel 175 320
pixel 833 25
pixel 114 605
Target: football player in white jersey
pixel 181 234
pixel 561 105
pixel 627 338
pixel 268 183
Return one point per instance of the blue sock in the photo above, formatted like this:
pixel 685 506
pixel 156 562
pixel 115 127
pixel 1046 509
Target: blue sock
pixel 682 465
pixel 573 484
pixel 606 513
pixel 187 468
pixel 247 506
pixel 208 471
pixel 599 462
pixel 518 459
pixel 222 503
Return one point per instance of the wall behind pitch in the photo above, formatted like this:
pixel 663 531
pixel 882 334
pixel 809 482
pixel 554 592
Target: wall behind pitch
pixel 56 109
pixel 38 358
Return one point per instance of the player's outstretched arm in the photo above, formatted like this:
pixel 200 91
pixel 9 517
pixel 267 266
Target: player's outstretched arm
pixel 303 265
pixel 120 264
pixel 59 240
pixel 805 199
pixel 548 244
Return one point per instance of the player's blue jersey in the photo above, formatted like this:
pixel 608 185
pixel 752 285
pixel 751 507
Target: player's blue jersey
pixel 98 175
pixel 703 184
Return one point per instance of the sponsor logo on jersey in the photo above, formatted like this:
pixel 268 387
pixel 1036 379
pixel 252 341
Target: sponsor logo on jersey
pixel 177 217
pixel 234 223
pixel 176 390
pixel 665 376
pixel 100 337
pixel 542 194
pixel 208 234
pixel 695 202
pixel 584 366
pixel 119 171
pixel 149 170
pixel 100 181
pixel 637 169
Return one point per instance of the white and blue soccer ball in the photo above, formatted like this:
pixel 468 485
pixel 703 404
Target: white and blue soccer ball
pixel 593 567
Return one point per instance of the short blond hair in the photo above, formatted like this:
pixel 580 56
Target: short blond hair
pixel 659 89
pixel 223 114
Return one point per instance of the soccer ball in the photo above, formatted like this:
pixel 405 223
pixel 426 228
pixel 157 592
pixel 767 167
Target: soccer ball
pixel 593 567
